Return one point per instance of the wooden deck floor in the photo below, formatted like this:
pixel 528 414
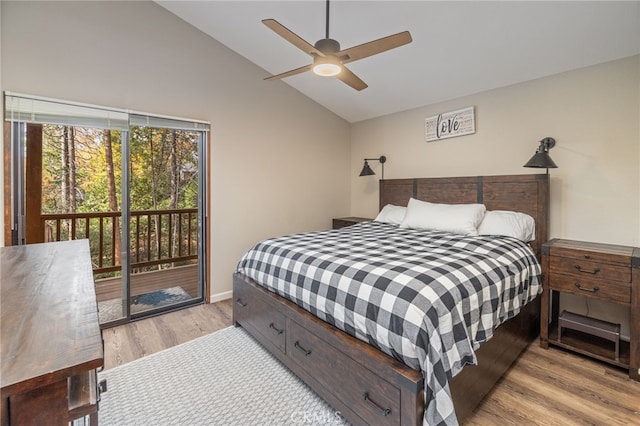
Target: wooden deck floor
pixel 544 387
pixel 145 282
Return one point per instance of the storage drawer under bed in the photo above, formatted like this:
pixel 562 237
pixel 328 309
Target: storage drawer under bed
pixel 252 312
pixel 375 400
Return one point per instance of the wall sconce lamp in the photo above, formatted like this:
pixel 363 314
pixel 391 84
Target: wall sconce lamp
pixel 366 170
pixel 541 159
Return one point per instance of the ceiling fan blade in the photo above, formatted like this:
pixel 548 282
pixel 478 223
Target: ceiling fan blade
pixel 291 37
pixel 374 47
pixel 290 73
pixel 346 76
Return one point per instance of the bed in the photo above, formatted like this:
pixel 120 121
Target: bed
pixel 367 385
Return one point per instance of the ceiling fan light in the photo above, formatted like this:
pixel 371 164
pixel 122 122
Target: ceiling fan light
pixel 327 70
pixel 327 66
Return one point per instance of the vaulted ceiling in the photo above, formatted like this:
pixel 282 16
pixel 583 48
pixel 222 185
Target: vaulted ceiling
pixel 459 48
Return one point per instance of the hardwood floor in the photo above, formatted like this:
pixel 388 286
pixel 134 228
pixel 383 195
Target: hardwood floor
pixel 544 387
pixel 556 387
pixel 135 340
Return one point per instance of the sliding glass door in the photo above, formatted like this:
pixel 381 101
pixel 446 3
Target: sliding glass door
pixel 132 184
pixel 165 204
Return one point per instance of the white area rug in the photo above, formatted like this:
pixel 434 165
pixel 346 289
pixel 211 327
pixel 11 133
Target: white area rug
pixel 224 378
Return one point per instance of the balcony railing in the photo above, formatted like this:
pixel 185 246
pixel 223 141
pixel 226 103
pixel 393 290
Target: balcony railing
pixel 157 237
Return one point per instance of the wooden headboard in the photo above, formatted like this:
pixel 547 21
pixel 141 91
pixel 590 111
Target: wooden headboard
pixel 523 193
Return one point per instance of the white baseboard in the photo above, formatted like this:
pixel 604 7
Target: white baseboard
pixel 221 296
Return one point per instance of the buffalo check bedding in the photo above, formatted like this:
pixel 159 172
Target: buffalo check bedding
pixel 427 298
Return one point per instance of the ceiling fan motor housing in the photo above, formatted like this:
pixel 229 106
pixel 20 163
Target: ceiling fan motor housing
pixel 328 46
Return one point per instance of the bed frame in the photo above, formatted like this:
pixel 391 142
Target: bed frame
pixel 363 384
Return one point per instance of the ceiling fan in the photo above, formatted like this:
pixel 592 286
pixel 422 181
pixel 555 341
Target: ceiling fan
pixel 328 59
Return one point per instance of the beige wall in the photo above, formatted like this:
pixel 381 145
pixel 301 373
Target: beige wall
pixel 279 160
pixel 594 115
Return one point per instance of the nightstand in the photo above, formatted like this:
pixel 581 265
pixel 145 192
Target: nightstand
pixel 604 272
pixel 341 222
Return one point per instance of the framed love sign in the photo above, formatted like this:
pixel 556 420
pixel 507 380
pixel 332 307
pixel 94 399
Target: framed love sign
pixel 450 124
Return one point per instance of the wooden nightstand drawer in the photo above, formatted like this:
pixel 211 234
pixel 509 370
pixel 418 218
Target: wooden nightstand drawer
pixel 602 290
pixel 342 222
pixel 591 270
pixel 606 253
pixel 605 272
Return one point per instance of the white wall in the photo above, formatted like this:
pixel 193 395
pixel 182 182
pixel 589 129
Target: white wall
pixel 279 160
pixel 594 115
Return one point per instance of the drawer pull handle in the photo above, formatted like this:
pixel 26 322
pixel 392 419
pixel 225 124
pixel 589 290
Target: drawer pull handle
pixel 241 303
pixel 382 411
pixel 587 271
pixel 301 349
pixel 275 329
pixel 102 386
pixel 590 290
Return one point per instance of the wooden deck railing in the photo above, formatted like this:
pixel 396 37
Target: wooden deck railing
pixel 157 236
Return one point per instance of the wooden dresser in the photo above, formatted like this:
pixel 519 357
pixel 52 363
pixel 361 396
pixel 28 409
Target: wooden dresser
pixel 605 272
pixel 51 339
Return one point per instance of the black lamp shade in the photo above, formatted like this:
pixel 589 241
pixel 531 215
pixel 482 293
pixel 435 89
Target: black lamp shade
pixel 541 160
pixel 366 170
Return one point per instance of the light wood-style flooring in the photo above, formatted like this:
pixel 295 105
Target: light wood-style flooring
pixel 544 387
pixel 137 339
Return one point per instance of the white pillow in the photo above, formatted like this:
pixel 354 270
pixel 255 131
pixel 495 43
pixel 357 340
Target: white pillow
pixel 391 214
pixel 456 218
pixel 512 224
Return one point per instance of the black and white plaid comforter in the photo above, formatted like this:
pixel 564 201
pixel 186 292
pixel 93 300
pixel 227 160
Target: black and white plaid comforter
pixel 427 298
